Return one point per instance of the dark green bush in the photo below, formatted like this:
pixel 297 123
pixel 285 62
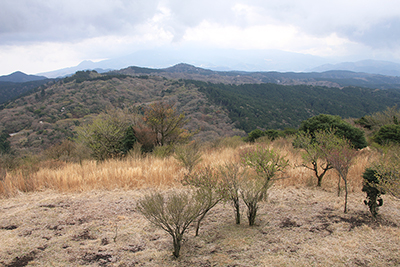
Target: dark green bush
pixel 374 201
pixel 4 143
pixel 388 134
pixel 253 135
pixel 324 122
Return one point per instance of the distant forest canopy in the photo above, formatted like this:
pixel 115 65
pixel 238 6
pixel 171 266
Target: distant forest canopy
pixel 12 90
pixel 273 106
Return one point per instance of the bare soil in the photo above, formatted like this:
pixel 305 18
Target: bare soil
pixel 295 227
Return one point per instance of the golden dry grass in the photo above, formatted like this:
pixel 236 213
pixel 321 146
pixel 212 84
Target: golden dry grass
pixel 155 172
pixel 91 175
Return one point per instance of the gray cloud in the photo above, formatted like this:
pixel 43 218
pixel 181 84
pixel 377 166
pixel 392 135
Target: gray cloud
pixel 25 20
pixel 96 29
pixel 60 21
pixel 380 35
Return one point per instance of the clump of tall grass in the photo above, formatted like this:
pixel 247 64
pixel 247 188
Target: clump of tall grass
pixel 127 174
pixel 138 171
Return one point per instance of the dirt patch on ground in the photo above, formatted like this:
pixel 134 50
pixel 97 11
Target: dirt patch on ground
pixel 295 227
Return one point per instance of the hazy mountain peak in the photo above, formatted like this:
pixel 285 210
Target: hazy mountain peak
pixel 20 77
pixel 187 68
pixel 366 66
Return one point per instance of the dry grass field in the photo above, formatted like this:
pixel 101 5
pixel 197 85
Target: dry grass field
pixel 85 215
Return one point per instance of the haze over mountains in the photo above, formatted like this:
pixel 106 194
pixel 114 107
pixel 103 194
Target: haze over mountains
pixel 214 59
pixel 256 60
pixel 231 60
pixel 367 66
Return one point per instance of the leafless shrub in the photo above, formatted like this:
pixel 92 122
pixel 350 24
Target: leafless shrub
pixel 209 192
pixel 265 163
pixel 232 176
pixel 388 171
pixel 173 212
pixel 188 155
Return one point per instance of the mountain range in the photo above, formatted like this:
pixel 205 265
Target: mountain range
pixel 18 83
pixel 213 59
pixel 218 103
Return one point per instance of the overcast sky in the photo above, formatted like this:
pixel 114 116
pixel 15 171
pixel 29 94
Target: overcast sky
pixel 44 35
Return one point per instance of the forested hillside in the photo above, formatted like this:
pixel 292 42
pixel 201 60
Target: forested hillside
pixel 273 106
pixel 50 113
pixel 11 90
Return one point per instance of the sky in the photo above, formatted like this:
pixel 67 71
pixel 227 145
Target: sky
pixel 43 35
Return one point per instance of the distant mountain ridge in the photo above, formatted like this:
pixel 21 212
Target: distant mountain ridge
pixel 20 77
pixel 215 59
pixel 262 60
pixel 366 66
pixel 84 65
pixel 338 79
pixel 19 83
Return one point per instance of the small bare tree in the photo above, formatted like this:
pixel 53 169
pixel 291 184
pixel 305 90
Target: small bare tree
pixel 166 123
pixel 253 190
pixel 232 175
pixel 188 155
pixel 209 190
pixel 266 163
pixel 173 213
pixel 313 154
pixel 340 153
pixel 388 171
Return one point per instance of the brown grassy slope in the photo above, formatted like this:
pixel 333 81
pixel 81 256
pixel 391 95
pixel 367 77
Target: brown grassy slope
pixel 86 218
pixel 296 227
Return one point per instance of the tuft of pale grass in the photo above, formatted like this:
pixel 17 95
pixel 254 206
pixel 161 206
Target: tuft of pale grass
pixel 91 175
pixel 220 156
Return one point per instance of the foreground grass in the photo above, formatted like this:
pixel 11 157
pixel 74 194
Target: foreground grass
pixel 296 227
pixel 85 214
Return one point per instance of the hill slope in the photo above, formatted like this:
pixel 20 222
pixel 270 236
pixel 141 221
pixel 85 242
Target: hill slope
pixel 11 90
pixel 272 106
pixel 11 85
pixel 17 84
pixel 51 112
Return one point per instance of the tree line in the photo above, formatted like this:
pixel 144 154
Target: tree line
pixel 274 106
